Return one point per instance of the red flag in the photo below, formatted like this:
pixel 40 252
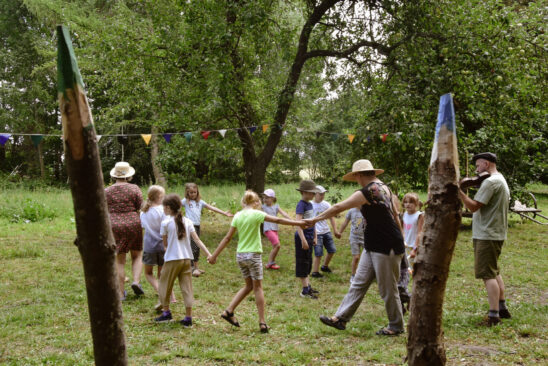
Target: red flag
pixel 205 134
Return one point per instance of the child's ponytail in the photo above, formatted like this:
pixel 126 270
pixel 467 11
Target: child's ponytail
pixel 173 201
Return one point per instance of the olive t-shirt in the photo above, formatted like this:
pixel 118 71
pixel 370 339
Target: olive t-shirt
pixel 490 222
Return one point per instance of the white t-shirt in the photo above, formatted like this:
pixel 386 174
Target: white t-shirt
pixel 321 226
pixel 271 211
pixel 411 228
pixel 193 210
pixel 151 221
pixel 177 249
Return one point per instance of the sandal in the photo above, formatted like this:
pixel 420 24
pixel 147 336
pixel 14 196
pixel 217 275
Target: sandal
pixel 229 317
pixel 388 332
pixel 196 273
pixel 264 328
pixel 338 324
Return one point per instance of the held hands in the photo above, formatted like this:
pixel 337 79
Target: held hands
pixel 309 223
pixel 211 259
pixel 337 234
pixel 228 214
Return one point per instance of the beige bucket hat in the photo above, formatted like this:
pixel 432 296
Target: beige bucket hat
pixel 307 186
pixel 122 170
pixel 359 166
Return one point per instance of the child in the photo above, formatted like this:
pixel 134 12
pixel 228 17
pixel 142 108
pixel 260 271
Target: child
pixel 176 232
pixel 323 234
pixel 193 210
pixel 357 229
pixel 305 238
pixel 248 254
pixel 271 229
pixel 412 222
pixel 152 215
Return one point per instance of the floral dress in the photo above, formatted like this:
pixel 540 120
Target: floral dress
pixel 124 202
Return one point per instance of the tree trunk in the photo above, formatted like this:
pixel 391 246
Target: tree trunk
pixel 431 269
pixel 41 161
pixel 159 176
pixel 94 240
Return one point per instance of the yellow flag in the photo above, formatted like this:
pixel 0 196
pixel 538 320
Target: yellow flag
pixel 146 138
pixel 265 127
pixel 351 137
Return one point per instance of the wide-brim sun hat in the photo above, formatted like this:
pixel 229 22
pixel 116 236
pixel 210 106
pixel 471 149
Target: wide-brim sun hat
pixel 359 166
pixel 270 193
pixel 307 186
pixel 122 170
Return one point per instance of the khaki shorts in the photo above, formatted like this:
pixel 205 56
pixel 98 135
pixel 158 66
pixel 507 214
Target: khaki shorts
pixel 486 255
pixel 251 265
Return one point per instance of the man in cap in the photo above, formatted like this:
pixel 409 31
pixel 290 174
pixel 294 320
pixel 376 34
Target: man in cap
pixel 489 228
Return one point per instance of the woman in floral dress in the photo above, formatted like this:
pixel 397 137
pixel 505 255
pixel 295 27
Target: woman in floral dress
pixel 124 203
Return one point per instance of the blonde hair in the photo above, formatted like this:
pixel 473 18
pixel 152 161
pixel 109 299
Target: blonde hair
pixel 154 194
pixel 413 198
pixel 250 198
pixel 189 186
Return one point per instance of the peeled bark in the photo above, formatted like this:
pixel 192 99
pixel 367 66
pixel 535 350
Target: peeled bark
pixel 95 240
pixel 431 269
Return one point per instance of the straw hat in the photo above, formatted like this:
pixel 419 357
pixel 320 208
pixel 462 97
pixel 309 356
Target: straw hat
pixel 359 166
pixel 270 193
pixel 122 170
pixel 307 186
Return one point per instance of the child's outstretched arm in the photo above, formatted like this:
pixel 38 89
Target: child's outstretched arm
pixel 215 209
pixel 199 243
pixel 334 227
pixel 343 226
pixel 228 237
pixel 284 214
pixel 288 221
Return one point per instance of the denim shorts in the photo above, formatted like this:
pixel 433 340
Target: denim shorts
pixel 324 240
pixel 251 265
pixel 153 259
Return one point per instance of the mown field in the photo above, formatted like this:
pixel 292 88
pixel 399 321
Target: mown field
pixel 44 317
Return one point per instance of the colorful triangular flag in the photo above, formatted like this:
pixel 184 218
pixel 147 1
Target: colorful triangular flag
pixel 146 138
pixel 334 136
pixel 205 134
pixel 98 137
pixel 383 137
pixel 351 137
pixel 36 139
pixel 252 129
pixel 167 137
pixel 265 128
pixel 188 136
pixel 300 129
pixel 222 133
pixel 4 137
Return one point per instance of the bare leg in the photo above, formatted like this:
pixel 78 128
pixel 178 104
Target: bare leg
pixel 274 253
pixel 493 293
pixel 304 281
pixel 120 266
pixel 501 287
pixel 316 264
pixel 328 258
pixel 259 298
pixel 188 311
pixel 240 295
pixel 149 274
pixel 136 265
pixel 355 260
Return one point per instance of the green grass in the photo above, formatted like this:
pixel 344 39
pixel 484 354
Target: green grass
pixel 44 317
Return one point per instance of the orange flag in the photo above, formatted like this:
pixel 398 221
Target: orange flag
pixel 351 137
pixel 265 128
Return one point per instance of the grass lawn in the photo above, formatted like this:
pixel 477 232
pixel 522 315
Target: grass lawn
pixel 44 315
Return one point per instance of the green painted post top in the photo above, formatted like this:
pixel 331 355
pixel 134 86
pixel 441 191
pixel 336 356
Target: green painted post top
pixel 68 74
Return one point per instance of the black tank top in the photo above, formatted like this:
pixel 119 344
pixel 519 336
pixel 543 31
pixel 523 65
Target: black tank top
pixel 382 232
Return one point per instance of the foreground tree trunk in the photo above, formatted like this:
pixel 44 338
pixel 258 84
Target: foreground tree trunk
pixel 431 269
pixel 94 235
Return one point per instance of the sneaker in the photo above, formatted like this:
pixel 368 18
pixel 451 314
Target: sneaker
pixel 339 324
pixel 504 314
pixel 326 269
pixel 136 287
pixel 316 274
pixel 490 321
pixel 272 266
pixel 186 322
pixel 165 317
pixel 313 290
pixel 309 295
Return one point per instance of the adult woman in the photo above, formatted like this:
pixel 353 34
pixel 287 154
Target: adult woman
pixel 124 202
pixel 384 248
